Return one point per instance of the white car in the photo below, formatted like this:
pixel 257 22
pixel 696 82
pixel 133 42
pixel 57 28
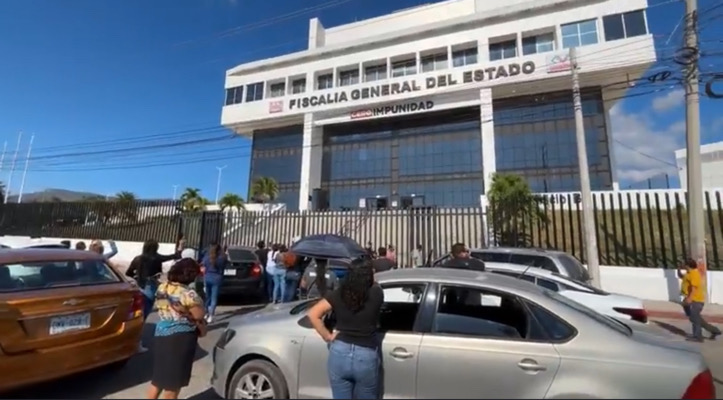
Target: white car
pixel 39 244
pixel 611 304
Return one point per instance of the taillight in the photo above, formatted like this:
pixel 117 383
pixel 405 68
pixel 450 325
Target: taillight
pixel 701 387
pixel 136 310
pixel 636 314
pixel 255 270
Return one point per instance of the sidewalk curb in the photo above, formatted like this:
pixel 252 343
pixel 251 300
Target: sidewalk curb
pixel 653 314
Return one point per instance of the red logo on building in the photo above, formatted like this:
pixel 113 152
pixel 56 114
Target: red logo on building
pixel 276 106
pixel 361 114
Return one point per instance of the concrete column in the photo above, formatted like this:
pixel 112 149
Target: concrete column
pixel 608 103
pixel 487 130
pixel 317 34
pixel 311 161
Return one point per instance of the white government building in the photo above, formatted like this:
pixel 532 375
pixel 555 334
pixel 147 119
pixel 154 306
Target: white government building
pixel 711 159
pixel 420 106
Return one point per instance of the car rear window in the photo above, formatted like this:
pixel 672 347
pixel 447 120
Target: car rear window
pixel 575 267
pixel 51 274
pixel 241 255
pixel 602 319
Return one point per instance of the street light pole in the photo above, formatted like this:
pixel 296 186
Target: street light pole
pixel 25 170
pixel 588 218
pixel 218 182
pixel 175 191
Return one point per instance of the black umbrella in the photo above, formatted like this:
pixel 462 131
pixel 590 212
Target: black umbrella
pixel 328 246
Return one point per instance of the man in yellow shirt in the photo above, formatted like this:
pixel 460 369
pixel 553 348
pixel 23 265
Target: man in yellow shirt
pixel 693 290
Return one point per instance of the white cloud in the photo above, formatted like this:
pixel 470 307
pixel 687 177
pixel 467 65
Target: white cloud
pixel 672 99
pixel 641 150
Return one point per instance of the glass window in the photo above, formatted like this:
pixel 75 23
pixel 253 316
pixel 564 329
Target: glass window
pixel 547 284
pixel 534 261
pixel 502 50
pixel 434 62
pixel 626 25
pixel 350 77
pixel 277 89
pixel 401 306
pixel 556 329
pixel 404 68
pixel 348 196
pixel 49 274
pixel 579 34
pixel 538 44
pixel 375 73
pixel 464 57
pixel 592 314
pixel 325 81
pixel 465 311
pixel 298 86
pixel 234 95
pixel 492 256
pixel 255 92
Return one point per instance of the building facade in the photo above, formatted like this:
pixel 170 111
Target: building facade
pixel 711 159
pixel 421 106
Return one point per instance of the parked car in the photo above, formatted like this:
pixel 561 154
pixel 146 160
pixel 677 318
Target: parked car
pixel 444 342
pixel 551 260
pixel 244 275
pixel 37 245
pixel 614 305
pixel 62 312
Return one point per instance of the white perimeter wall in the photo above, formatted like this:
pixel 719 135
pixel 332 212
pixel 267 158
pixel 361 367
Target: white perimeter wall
pixel 645 283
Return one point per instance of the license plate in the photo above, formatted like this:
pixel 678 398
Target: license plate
pixel 68 323
pixel 230 272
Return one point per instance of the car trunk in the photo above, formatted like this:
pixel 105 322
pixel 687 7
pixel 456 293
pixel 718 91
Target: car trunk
pixel 241 264
pixel 37 320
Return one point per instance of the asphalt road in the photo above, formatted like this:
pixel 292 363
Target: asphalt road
pixel 132 381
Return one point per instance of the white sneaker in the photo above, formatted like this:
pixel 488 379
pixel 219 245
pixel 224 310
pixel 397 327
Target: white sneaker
pixel 209 318
pixel 141 349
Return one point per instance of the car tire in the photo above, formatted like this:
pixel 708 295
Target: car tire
pixel 260 372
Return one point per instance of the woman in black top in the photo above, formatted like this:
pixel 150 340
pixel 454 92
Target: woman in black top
pixel 354 362
pixel 147 269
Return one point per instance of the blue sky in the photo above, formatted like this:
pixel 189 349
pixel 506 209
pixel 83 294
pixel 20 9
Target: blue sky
pixel 79 73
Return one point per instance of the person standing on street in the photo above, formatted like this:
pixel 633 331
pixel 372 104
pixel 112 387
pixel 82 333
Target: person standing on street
pixel 462 260
pixel 80 245
pixel 214 263
pixel 693 291
pixel 354 363
pixel 262 253
pixel 318 279
pixel 97 247
pixel 382 262
pixel 391 254
pixel 181 323
pixel 417 257
pixel 278 274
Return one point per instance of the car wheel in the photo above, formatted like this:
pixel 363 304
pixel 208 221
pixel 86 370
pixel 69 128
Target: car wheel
pixel 258 379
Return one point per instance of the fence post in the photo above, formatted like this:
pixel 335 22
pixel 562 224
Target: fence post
pixel 304 216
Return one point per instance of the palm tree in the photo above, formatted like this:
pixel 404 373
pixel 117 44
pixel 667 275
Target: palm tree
pixel 232 201
pixel 513 207
pixel 264 189
pixel 126 206
pixel 191 199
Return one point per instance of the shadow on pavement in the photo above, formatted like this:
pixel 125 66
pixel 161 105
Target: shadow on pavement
pixel 671 328
pixel 206 394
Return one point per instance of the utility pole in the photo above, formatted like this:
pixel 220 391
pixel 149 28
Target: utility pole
pixel 12 167
pixel 696 227
pixel 25 170
pixel 175 191
pixel 588 219
pixel 218 182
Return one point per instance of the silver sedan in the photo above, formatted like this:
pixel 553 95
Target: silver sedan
pixel 465 334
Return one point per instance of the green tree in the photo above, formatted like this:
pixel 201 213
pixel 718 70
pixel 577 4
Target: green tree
pixel 264 189
pixel 513 208
pixel 232 201
pixel 126 206
pixel 191 200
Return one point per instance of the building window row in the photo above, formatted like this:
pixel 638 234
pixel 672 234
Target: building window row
pixel 574 34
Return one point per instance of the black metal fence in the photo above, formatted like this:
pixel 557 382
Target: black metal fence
pixel 647 229
pixel 635 228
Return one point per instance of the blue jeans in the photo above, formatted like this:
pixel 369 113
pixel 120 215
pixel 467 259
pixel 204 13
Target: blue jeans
pixel 149 298
pixel 270 285
pixel 292 285
pixel 211 286
pixel 354 371
pixel 279 288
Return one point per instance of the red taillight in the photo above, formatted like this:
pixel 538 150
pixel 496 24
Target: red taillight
pixel 636 314
pixel 701 387
pixel 255 270
pixel 136 309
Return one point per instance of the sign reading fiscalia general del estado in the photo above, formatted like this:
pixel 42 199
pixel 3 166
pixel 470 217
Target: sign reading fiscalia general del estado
pixel 414 85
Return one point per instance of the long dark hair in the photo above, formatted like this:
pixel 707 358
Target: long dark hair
pixel 213 252
pixel 355 287
pixel 320 281
pixel 150 247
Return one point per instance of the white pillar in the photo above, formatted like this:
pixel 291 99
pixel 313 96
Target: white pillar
pixel 487 130
pixel 311 160
pixel 608 103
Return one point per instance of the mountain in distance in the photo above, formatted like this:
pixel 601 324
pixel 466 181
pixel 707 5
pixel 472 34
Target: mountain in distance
pixel 51 195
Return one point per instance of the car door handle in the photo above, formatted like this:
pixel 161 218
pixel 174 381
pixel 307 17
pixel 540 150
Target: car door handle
pixel 401 353
pixel 531 366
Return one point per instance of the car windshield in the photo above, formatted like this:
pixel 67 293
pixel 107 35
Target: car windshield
pixel 602 319
pixel 576 285
pixel 574 266
pixel 299 308
pixel 51 274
